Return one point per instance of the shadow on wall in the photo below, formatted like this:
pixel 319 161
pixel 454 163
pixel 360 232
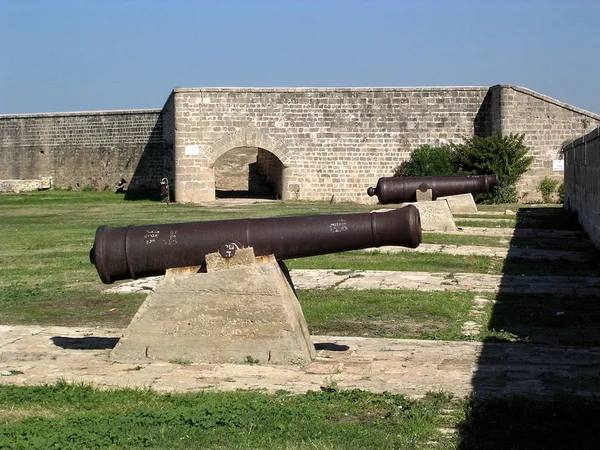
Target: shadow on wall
pixel 483 123
pixel 536 380
pixel 156 162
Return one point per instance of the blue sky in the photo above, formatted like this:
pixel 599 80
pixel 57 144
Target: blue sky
pixel 78 55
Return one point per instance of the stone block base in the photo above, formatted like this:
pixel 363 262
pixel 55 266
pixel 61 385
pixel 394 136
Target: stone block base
pixel 435 215
pixel 242 313
pixel 460 204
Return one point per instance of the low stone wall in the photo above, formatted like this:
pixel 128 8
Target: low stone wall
pixel 582 182
pixel 17 186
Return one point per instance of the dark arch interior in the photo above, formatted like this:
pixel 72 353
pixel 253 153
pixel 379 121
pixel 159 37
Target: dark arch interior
pixel 248 172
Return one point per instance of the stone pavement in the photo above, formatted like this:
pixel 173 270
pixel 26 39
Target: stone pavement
pixel 419 281
pixel 43 355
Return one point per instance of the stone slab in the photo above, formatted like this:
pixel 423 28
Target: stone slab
pixel 424 196
pixel 17 186
pixel 460 204
pixel 435 215
pixel 246 313
pixel 33 355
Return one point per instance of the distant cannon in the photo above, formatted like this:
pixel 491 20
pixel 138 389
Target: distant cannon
pixel 142 251
pixel 403 189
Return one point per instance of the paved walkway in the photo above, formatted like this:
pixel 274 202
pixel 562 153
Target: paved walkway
pixel 44 355
pixel 419 281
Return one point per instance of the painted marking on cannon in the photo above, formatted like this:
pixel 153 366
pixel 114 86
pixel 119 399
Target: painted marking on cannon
pixel 151 236
pixel 172 238
pixel 339 226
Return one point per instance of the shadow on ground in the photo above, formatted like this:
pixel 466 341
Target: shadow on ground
pixel 85 343
pixel 538 387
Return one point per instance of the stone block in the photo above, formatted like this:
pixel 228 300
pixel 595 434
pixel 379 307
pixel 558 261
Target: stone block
pixel 235 315
pixel 424 196
pixel 435 215
pixel 460 204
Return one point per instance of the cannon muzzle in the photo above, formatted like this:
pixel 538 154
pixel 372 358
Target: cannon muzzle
pixel 403 189
pixel 149 250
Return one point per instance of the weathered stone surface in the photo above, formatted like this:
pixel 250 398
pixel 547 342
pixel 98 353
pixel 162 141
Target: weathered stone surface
pixel 426 196
pixel 33 355
pixel 581 188
pixel 435 216
pixel 248 312
pixel 460 204
pixel 20 185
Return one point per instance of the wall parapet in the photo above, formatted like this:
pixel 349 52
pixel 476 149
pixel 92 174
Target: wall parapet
pixel 548 99
pixel 117 112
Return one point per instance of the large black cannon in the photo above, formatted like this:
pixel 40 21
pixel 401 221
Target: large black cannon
pixel 142 251
pixel 403 189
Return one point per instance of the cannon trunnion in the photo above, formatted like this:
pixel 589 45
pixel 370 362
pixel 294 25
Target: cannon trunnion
pixel 403 189
pixel 149 250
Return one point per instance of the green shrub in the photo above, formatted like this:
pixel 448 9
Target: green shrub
pixel 505 156
pixel 547 187
pixel 428 161
pixel 561 193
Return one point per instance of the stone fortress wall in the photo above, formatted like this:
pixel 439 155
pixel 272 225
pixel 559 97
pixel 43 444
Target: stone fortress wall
pixel 311 143
pixel 582 182
pixel 78 149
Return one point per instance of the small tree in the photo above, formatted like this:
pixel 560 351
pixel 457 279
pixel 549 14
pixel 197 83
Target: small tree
pixel 427 161
pixel 505 156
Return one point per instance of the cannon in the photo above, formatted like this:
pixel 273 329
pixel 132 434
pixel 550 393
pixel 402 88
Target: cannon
pixel 141 251
pixel 403 189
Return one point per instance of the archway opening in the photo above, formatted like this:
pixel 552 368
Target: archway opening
pixel 248 172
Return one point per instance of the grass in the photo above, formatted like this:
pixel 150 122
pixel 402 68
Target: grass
pixel 413 262
pixel 388 314
pixel 76 416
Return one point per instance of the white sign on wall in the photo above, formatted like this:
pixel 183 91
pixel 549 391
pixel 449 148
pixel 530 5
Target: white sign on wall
pixel 192 150
pixel 558 165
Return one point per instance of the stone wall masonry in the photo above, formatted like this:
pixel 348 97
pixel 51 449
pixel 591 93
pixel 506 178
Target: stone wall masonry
pixel 333 142
pixel 314 143
pixel 77 149
pixel 547 124
pixel 582 182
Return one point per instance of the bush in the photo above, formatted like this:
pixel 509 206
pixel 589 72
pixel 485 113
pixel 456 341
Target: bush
pixel 505 156
pixel 547 187
pixel 428 161
pixel 561 193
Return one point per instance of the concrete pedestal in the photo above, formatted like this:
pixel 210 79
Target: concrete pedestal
pixel 238 312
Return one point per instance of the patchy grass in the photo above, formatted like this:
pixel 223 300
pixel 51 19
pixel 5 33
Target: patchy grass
pixel 388 314
pixel 404 261
pixel 76 416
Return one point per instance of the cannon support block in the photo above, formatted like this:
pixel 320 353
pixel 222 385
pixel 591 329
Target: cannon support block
pixel 460 204
pixel 239 312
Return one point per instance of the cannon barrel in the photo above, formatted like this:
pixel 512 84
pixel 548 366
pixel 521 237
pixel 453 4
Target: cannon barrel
pixel 142 251
pixel 403 189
